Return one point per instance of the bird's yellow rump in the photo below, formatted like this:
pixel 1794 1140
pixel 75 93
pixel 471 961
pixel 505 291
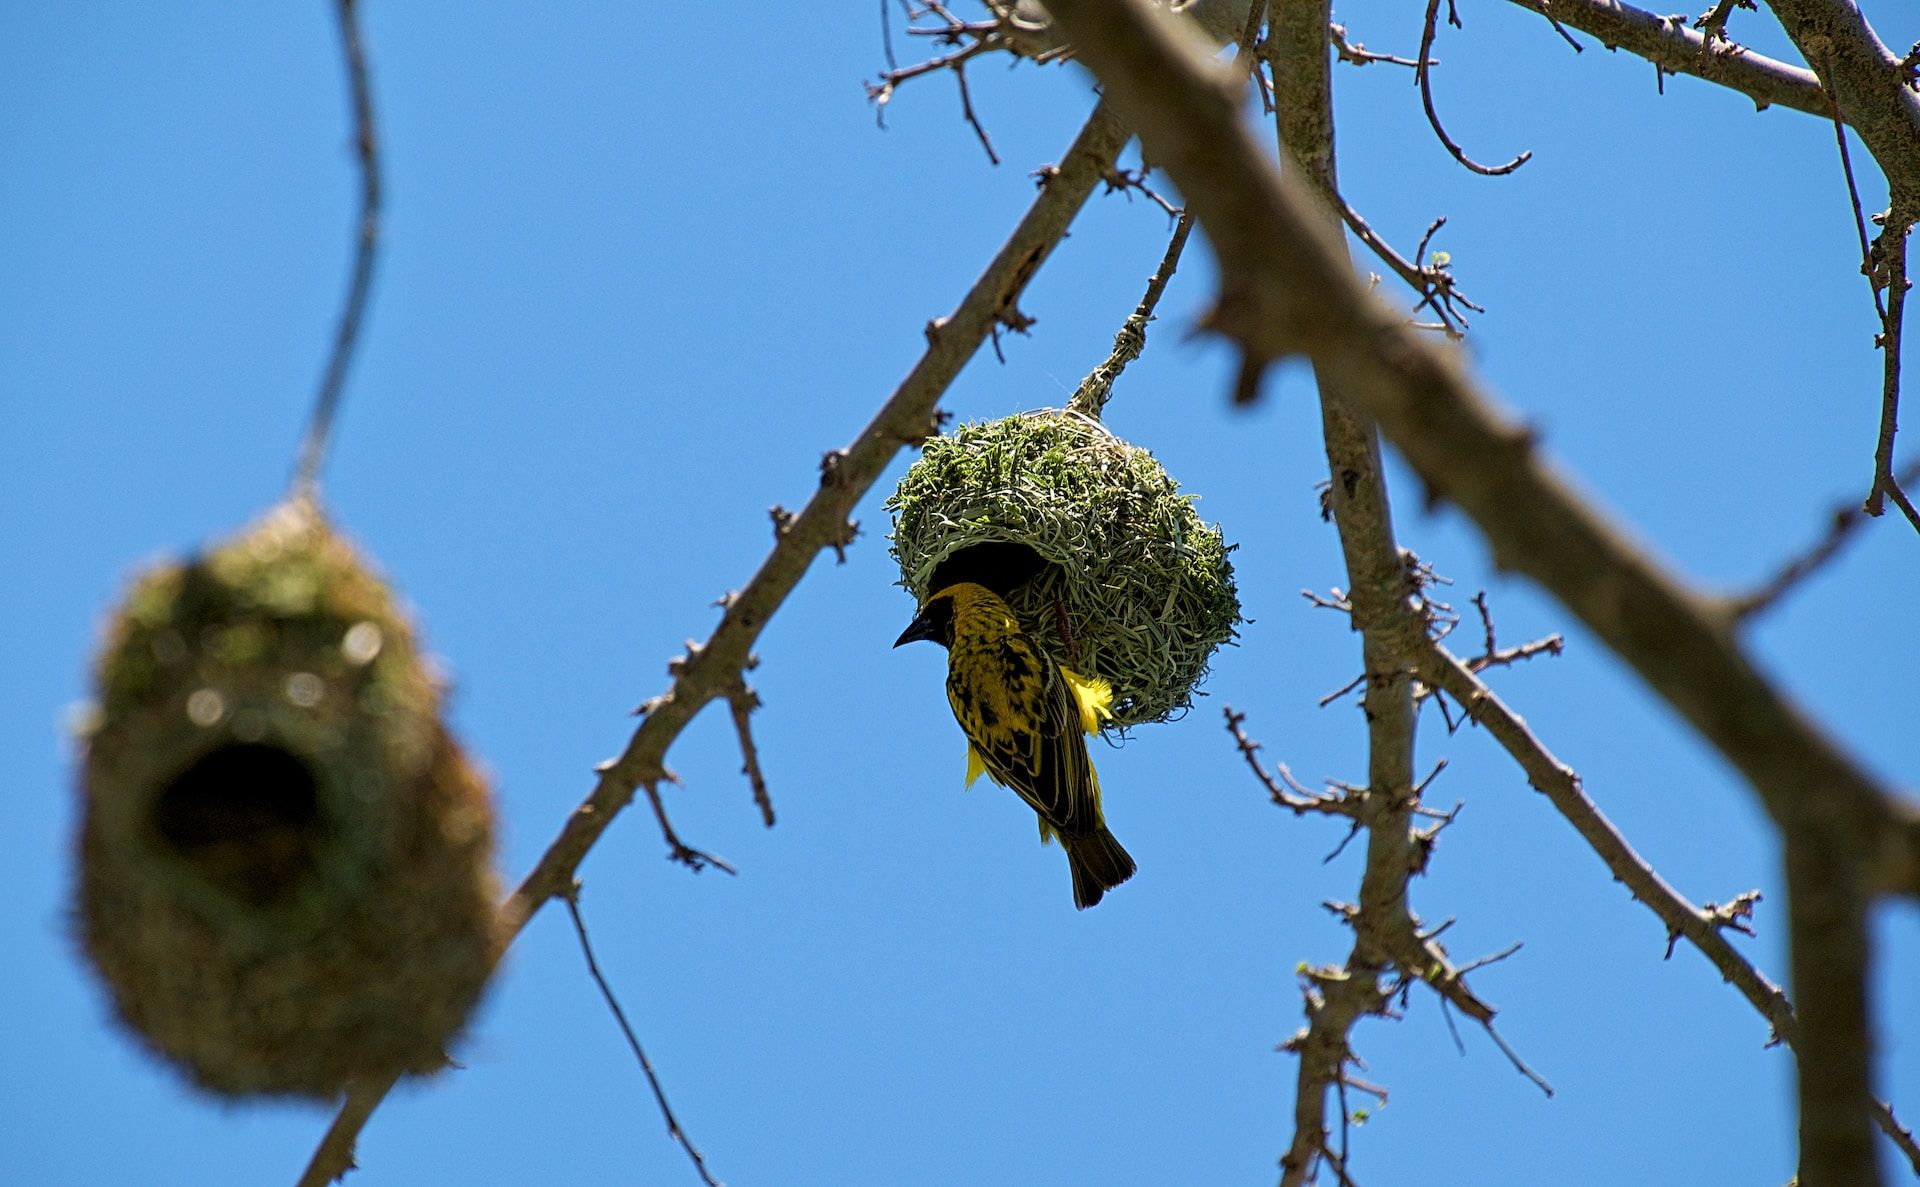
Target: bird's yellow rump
pixel 1025 718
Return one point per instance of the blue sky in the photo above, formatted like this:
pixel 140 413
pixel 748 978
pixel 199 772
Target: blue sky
pixel 640 272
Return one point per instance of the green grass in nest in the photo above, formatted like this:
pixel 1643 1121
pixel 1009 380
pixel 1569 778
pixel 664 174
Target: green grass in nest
pixel 1141 585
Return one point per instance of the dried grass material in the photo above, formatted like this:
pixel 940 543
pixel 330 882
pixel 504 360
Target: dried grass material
pixel 285 859
pixel 1138 591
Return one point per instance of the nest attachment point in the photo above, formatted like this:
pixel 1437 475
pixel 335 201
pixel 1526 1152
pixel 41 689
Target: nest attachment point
pixel 1108 566
pixel 285 870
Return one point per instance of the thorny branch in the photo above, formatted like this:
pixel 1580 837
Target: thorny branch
pixel 710 670
pixel 1674 46
pixel 366 151
pixel 572 899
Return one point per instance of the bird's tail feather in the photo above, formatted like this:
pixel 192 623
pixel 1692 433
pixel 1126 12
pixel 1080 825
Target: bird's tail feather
pixel 1099 864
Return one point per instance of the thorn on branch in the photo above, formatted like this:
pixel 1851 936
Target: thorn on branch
pixel 1353 830
pixel 935 424
pixel 1343 690
pixel 1246 381
pixel 830 463
pixel 849 531
pixel 682 665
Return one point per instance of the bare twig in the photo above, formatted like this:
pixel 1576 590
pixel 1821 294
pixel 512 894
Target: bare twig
pixel 677 850
pixel 966 110
pixel 1358 54
pixel 952 341
pixel 972 39
pixel 742 701
pixel 1286 791
pixel 1432 277
pixel 1853 196
pixel 1495 656
pixel 572 899
pixel 1892 257
pixel 1845 520
pixel 366 150
pixel 1127 180
pixel 1097 388
pixel 1423 74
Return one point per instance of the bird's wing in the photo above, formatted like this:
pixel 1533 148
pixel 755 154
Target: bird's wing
pixel 1024 721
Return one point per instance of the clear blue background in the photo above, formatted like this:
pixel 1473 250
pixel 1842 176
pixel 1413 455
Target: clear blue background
pixel 643 265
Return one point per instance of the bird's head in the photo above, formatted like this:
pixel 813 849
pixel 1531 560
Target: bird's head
pixel 935 620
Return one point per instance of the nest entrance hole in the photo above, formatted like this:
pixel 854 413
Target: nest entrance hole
pixel 245 818
pixel 1001 565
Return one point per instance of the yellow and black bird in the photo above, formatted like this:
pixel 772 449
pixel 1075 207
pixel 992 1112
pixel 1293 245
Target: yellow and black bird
pixel 1025 716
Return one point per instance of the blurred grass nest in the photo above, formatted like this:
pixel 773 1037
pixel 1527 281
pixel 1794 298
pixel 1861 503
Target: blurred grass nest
pixel 1108 566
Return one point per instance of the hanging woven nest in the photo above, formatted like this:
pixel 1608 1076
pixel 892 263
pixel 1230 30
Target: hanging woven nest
pixel 1106 563
pixel 285 859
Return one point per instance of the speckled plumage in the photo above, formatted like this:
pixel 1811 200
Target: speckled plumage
pixel 1025 718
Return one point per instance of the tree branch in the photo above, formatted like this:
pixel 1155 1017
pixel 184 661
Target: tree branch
pixel 1388 942
pixel 1286 289
pixel 1867 82
pixel 572 899
pixel 711 670
pixel 1096 389
pixel 1676 47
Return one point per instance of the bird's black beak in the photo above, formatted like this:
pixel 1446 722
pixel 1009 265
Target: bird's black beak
pixel 920 628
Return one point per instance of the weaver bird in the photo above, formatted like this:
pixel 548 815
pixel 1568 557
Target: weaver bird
pixel 1024 717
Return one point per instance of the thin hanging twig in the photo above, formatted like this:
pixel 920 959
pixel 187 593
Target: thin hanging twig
pixel 313 449
pixel 572 899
